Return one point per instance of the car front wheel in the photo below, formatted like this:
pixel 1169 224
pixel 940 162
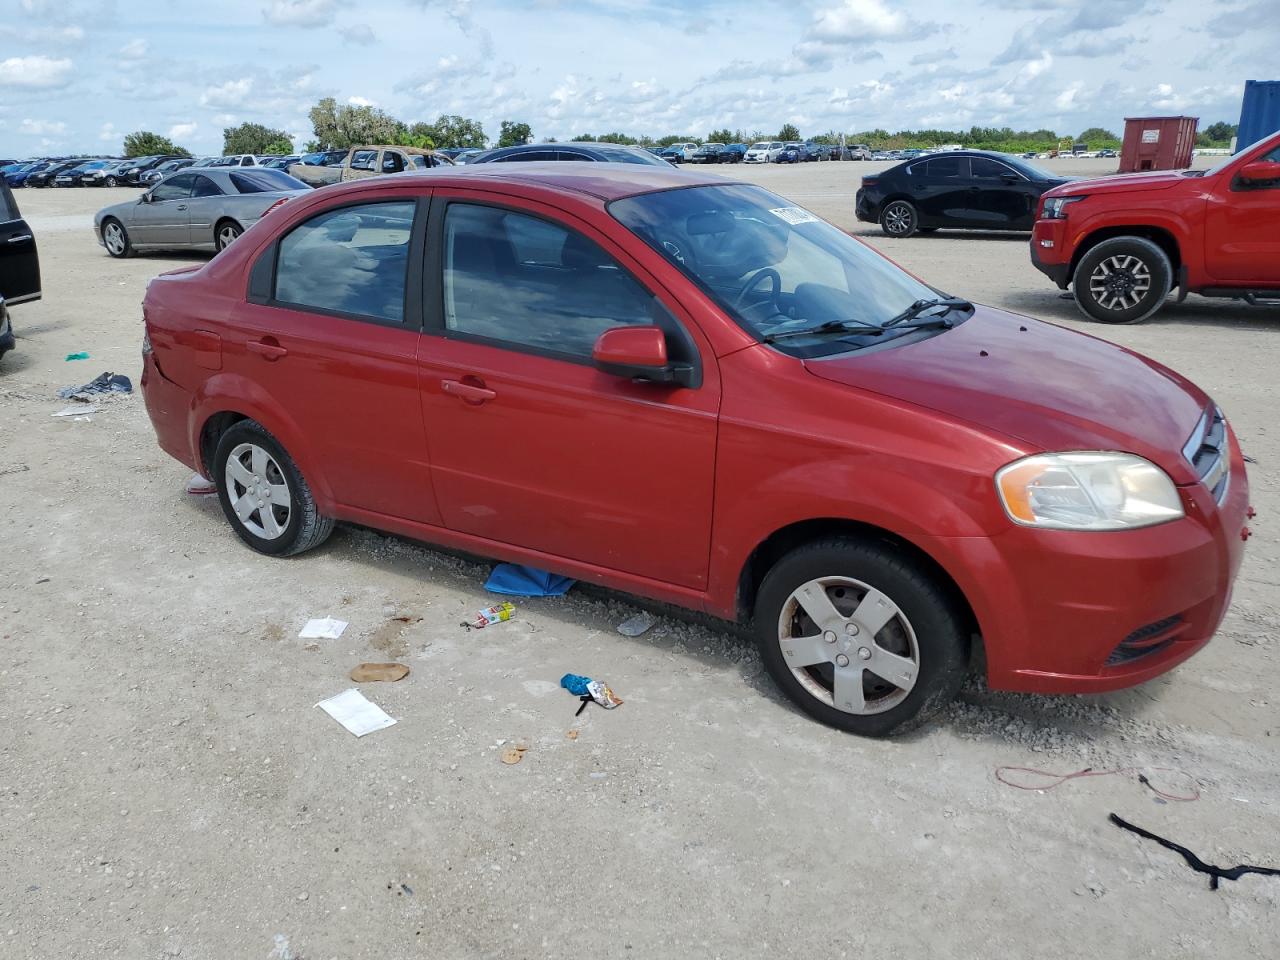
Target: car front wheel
pixel 899 219
pixel 1122 280
pixel 116 239
pixel 263 494
pixel 860 636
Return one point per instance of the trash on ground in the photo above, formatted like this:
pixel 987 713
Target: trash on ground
pixel 572 734
pixel 513 754
pixel 503 611
pixel 586 690
pixel 79 411
pixel 201 486
pixel 1194 862
pixel 77 356
pixel 634 626
pixel 369 672
pixel 1048 781
pixel 325 628
pixel 353 711
pixel 102 383
pixel 517 580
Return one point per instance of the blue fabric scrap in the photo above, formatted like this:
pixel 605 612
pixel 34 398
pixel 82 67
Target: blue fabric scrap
pixel 516 580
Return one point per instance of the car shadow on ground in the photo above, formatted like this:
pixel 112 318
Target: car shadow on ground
pixel 1194 311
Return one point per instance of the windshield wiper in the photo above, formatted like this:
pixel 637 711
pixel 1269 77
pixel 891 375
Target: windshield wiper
pixel 831 326
pixel 920 306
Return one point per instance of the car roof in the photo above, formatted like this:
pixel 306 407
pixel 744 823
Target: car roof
pixel 605 181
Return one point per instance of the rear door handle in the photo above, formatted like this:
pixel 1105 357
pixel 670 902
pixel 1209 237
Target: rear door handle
pixel 269 351
pixel 182 206
pixel 466 391
pixel 22 238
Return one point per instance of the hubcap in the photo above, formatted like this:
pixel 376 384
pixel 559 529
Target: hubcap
pixel 897 218
pixel 1120 282
pixel 849 645
pixel 258 491
pixel 113 236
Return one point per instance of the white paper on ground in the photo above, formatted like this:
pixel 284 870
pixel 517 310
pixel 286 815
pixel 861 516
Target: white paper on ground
pixel 326 628
pixel 78 410
pixel 359 715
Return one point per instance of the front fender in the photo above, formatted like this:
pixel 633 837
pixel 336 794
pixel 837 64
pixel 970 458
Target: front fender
pixel 232 393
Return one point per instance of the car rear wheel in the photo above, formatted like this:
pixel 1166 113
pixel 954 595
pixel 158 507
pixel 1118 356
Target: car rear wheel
pixel 899 219
pixel 112 182
pixel 860 637
pixel 226 234
pixel 263 494
pixel 116 239
pixel 1122 280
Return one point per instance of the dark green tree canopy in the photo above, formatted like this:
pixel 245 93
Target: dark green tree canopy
pixel 255 138
pixel 144 143
pixel 789 131
pixel 514 133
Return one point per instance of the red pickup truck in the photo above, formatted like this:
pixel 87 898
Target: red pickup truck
pixel 1123 242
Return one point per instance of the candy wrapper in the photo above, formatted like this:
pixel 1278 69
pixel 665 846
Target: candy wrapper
pixel 503 611
pixel 587 690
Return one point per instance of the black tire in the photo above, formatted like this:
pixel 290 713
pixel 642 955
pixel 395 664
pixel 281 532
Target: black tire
pixel 118 251
pixel 112 182
pixel 942 640
pixel 305 527
pixel 899 219
pixel 1115 273
pixel 225 233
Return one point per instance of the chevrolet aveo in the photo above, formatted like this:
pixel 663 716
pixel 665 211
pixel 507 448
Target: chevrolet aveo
pixel 691 390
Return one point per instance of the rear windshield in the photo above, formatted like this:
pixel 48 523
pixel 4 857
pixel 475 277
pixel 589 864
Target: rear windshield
pixel 265 180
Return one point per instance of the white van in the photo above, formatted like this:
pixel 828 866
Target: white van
pixel 765 151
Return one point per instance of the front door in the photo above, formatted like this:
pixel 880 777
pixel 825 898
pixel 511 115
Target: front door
pixel 19 259
pixel 332 339
pixel 1242 230
pixel 531 444
pixel 939 188
pixel 164 221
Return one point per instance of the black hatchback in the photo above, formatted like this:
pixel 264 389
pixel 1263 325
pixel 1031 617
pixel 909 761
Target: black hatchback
pixel 966 189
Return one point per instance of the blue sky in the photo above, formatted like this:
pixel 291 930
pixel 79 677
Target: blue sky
pixel 75 75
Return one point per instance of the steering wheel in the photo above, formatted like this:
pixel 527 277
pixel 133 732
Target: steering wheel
pixel 753 281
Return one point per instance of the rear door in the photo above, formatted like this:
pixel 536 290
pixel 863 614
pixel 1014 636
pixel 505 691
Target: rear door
pixel 1242 229
pixel 1000 198
pixel 164 221
pixel 19 260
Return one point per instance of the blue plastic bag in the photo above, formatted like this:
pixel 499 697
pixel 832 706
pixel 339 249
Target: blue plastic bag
pixel 515 580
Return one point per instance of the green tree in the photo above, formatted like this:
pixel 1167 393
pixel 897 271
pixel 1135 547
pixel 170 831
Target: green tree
pixel 1217 134
pixel 278 148
pixel 337 127
pixel 324 122
pixel 1098 137
pixel 254 138
pixel 616 137
pixel 451 130
pixel 671 138
pixel 144 143
pixel 513 134
pixel 584 138
pixel 789 131
pixel 723 135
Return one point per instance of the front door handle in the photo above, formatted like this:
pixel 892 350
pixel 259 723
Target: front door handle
pixel 467 391
pixel 182 206
pixel 21 238
pixel 266 349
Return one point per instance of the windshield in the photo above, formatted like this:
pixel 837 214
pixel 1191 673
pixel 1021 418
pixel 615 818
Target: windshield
pixel 1030 169
pixel 775 268
pixel 264 180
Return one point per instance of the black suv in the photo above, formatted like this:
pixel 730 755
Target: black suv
pixel 19 264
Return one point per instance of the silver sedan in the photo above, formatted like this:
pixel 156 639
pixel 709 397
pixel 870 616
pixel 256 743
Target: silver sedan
pixel 200 207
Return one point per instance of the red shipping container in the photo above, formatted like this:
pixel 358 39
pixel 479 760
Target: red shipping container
pixel 1157 143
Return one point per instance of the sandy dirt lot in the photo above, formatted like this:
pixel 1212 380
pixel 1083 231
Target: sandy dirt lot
pixel 169 790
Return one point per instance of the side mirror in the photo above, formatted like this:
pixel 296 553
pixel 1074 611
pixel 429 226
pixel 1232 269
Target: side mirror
pixel 145 198
pixel 639 353
pixel 1260 171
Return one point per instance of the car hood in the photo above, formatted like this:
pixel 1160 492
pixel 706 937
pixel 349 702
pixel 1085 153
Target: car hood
pixel 1121 183
pixel 1049 387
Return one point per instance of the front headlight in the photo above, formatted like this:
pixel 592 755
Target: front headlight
pixel 1055 208
pixel 1087 491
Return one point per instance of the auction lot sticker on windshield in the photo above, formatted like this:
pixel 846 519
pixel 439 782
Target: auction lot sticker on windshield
pixel 794 215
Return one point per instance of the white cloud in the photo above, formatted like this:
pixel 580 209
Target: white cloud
pixel 35 73
pixel 230 94
pixel 360 34
pixel 181 131
pixel 42 128
pixel 134 49
pixel 300 13
pixel 108 132
pixel 361 102
pixel 1066 100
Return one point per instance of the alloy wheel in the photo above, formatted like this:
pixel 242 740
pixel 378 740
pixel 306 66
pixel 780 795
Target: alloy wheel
pixel 258 491
pixel 113 237
pixel 849 645
pixel 898 218
pixel 1120 282
pixel 227 235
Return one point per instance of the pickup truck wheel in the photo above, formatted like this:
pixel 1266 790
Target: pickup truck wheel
pixel 263 494
pixel 1122 280
pixel 899 219
pixel 860 637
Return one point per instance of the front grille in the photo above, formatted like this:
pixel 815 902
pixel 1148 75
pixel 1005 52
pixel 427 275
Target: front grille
pixel 1145 641
pixel 1207 452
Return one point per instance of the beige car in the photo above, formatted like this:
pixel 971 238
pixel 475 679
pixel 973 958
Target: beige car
pixel 371 161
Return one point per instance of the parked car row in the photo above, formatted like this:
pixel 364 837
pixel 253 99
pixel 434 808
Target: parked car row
pixel 116 172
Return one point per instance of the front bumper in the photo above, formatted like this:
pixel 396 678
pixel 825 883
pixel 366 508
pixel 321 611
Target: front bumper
pixel 1064 612
pixel 1048 251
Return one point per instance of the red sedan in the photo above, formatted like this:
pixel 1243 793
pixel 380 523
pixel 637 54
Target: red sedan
pixel 691 390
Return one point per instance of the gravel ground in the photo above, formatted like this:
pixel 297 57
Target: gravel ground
pixel 169 790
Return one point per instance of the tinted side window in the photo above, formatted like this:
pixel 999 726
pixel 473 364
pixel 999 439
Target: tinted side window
pixel 206 188
pixel 350 260
pixel 570 155
pixel 8 208
pixel 985 169
pixel 175 188
pixel 529 157
pixel 941 168
pixel 524 281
